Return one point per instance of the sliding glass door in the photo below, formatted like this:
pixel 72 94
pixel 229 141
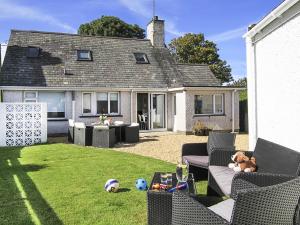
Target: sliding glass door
pixel 158 120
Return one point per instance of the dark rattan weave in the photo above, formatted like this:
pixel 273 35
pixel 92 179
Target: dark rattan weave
pixel 271 205
pixel 280 168
pixel 160 203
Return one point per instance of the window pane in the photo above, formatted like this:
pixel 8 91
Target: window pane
pixel 55 103
pixel 102 103
pixel 203 104
pixel 141 58
pixel 84 54
pixel 87 103
pixel 114 103
pixel 30 94
pixel 218 104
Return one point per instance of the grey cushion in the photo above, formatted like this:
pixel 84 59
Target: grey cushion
pixel 224 209
pixel 219 140
pixel 274 158
pixel 195 160
pixel 223 176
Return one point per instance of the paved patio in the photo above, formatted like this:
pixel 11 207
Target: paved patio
pixel 167 145
pixel 163 145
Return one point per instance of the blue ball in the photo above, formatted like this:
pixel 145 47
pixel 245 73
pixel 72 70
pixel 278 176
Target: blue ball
pixel 141 184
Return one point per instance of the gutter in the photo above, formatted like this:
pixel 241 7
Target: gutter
pixel 220 88
pixel 22 88
pixel 276 13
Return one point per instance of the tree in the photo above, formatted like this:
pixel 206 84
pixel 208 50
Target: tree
pixel 242 82
pixel 193 48
pixel 111 26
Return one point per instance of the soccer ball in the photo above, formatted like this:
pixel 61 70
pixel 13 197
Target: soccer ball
pixel 141 184
pixel 112 185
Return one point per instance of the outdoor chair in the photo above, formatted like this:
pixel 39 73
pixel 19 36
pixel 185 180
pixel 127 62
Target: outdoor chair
pixel 71 131
pixel 82 134
pixel 141 122
pixel 197 154
pixel 132 133
pixel 275 164
pixel 104 137
pixel 272 205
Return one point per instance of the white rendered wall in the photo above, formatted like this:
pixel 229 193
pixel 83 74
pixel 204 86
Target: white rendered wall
pixel 278 86
pixel 180 117
pixel 218 122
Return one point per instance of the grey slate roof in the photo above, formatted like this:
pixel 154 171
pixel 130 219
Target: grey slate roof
pixel 113 63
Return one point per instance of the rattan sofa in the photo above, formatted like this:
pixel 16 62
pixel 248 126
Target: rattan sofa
pixel 275 164
pixel 197 154
pixel 271 205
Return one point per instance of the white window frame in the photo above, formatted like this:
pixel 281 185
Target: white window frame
pixel 91 93
pixel 31 99
pixel 108 102
pixel 214 105
pixel 65 107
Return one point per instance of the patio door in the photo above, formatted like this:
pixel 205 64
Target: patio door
pixel 158 111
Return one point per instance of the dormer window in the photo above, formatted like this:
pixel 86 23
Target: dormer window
pixel 84 55
pixel 33 52
pixel 141 58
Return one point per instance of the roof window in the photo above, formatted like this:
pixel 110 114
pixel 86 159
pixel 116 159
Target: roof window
pixel 141 58
pixel 33 52
pixel 84 55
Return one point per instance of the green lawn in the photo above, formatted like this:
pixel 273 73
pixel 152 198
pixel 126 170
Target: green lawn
pixel 63 184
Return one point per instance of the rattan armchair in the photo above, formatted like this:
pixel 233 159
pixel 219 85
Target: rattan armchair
pixel 275 164
pixel 197 154
pixel 272 205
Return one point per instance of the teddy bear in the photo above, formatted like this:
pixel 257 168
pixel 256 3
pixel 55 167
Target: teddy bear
pixel 242 163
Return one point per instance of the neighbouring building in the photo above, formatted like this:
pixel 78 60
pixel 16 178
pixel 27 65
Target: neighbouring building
pixel 132 80
pixel 273 69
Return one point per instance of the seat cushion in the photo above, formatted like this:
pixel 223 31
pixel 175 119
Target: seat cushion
pixel 224 209
pixel 195 160
pixel 223 176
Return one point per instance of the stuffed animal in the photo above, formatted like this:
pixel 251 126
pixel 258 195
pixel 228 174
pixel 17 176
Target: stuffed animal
pixel 242 163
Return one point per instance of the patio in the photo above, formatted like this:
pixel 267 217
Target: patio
pixel 163 145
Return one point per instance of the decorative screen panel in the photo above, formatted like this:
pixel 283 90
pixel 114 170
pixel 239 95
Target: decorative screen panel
pixel 23 124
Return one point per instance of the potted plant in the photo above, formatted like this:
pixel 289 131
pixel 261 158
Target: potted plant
pixel 102 119
pixel 199 129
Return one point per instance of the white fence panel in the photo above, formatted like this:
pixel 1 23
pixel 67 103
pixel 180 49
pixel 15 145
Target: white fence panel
pixel 23 124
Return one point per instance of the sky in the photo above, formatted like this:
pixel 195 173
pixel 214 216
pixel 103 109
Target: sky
pixel 221 21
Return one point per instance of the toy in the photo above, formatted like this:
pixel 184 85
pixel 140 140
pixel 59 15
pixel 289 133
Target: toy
pixel 112 185
pixel 141 184
pixel 156 186
pixel 242 163
pixel 181 187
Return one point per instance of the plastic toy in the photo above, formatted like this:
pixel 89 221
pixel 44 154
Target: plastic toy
pixel 141 184
pixel 112 185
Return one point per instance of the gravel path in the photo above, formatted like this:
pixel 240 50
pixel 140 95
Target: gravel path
pixel 167 145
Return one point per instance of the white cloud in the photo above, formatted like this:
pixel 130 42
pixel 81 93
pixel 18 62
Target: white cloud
pixel 144 8
pixel 15 11
pixel 228 35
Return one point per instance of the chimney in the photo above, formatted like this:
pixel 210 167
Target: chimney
pixel 156 32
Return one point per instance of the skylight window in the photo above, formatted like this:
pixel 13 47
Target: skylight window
pixel 141 58
pixel 33 52
pixel 85 55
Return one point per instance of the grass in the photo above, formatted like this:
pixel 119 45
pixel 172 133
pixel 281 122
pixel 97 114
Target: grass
pixel 63 184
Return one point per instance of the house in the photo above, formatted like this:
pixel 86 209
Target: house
pixel 132 80
pixel 273 59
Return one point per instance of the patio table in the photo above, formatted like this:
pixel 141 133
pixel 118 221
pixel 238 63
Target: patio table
pixel 119 130
pixel 160 202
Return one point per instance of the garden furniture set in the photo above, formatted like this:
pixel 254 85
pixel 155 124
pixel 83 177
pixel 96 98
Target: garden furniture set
pixel 269 196
pixel 103 136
